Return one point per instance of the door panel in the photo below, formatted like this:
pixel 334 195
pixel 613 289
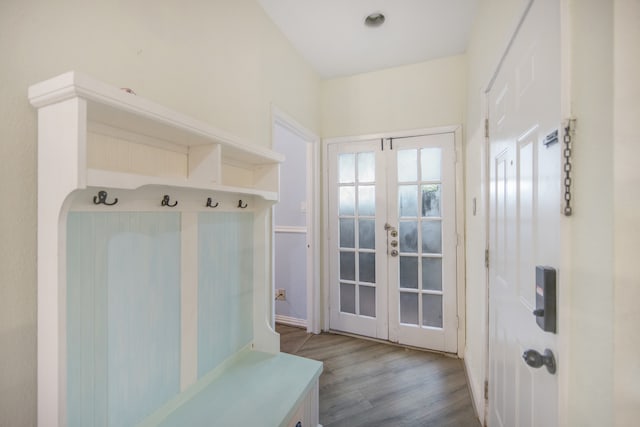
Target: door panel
pixel 524 106
pixel 358 295
pixel 393 240
pixel 422 278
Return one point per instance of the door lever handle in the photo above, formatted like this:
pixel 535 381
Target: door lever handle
pixel 536 360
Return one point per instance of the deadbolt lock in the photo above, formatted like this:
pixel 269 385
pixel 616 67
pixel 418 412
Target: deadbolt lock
pixel 394 252
pixel 394 233
pixel 394 243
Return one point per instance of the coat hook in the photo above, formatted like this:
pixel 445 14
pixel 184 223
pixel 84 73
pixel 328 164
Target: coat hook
pixel 165 201
pixel 240 205
pixel 209 203
pixel 101 199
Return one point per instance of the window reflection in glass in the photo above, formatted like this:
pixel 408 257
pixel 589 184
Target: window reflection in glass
pixel 366 167
pixel 347 201
pixel 409 236
pixel 346 168
pixel 430 164
pixel 407 165
pixel 432 237
pixel 430 200
pixel 366 200
pixel 347 233
pixel 408 198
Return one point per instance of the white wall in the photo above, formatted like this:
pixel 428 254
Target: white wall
pixel 222 62
pixel 590 297
pixel 423 95
pixel 626 181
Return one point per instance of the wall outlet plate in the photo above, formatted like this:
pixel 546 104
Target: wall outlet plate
pixel 281 294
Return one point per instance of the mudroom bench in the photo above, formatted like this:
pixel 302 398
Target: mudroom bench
pixel 255 389
pixel 155 306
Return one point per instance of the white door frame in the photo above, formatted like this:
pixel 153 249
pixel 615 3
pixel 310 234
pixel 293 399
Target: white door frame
pixel 280 118
pixel 459 188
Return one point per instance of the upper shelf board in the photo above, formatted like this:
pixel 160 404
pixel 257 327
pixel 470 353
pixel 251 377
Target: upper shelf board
pixel 114 107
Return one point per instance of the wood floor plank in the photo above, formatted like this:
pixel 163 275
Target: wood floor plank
pixel 367 383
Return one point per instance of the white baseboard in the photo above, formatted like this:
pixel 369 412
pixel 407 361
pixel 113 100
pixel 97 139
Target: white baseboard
pixel 291 321
pixel 477 392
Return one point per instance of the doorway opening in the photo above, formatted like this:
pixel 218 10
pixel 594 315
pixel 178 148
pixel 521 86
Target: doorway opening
pixel 296 274
pixel 394 243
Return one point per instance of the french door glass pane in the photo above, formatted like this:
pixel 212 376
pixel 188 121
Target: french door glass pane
pixel 366 167
pixel 407 165
pixel 367 233
pixel 409 236
pixel 367 300
pixel 409 308
pixel 432 310
pixel 347 201
pixel 367 267
pixel 431 200
pixel 348 298
pixel 346 168
pixel 409 272
pixel 356 215
pixel 347 266
pixel 432 274
pixel 347 233
pixel 430 162
pixel 366 200
pixel 408 201
pixel 432 237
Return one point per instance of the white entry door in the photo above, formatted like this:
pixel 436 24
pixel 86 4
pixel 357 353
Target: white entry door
pixel 393 240
pixel 525 211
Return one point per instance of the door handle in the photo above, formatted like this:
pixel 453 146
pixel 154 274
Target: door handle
pixel 536 360
pixel 394 243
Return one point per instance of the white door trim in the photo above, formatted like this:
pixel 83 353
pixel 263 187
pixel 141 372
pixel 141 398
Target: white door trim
pixel 460 208
pixel 279 117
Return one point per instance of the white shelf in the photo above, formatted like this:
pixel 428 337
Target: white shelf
pixel 111 114
pixel 127 181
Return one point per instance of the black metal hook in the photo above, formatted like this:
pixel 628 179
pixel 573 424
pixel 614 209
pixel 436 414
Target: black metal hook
pixel 240 205
pixel 165 201
pixel 101 199
pixel 210 203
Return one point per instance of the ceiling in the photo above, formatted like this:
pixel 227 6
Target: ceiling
pixel 332 37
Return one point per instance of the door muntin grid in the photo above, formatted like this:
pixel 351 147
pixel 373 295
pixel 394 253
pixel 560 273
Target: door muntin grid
pixel 356 218
pixel 420 237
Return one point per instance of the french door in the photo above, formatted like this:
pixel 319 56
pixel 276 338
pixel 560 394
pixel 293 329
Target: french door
pixel 392 255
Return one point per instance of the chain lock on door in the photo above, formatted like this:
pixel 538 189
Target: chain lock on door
pixel 394 242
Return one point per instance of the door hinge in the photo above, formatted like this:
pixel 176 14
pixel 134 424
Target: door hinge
pixel 486 390
pixel 486 128
pixel 486 258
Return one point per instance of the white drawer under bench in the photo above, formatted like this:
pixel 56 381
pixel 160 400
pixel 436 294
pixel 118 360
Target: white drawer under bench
pixel 251 389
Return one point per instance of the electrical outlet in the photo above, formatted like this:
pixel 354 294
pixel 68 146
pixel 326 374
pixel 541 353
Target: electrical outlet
pixel 281 295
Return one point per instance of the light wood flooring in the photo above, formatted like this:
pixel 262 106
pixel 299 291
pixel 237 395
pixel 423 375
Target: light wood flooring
pixel 367 383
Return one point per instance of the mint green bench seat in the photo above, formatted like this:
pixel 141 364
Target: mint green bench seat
pixel 253 389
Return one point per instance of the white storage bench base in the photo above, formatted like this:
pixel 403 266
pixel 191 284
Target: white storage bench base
pixel 252 389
